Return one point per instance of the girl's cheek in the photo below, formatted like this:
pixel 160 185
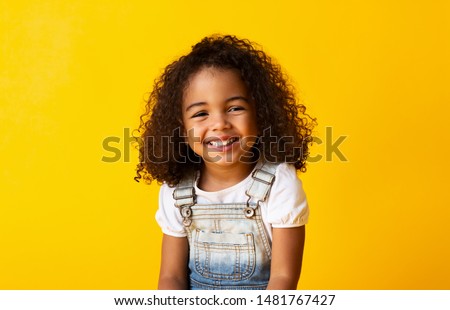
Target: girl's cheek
pixel 191 134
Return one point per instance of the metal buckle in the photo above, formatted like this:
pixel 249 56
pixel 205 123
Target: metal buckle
pixel 187 222
pixel 191 195
pixel 272 177
pixel 249 212
pixel 186 212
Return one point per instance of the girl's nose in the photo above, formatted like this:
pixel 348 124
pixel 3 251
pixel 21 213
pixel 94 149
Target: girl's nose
pixel 219 122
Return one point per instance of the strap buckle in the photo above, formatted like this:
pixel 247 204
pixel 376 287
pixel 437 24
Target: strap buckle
pixel 190 194
pixel 267 178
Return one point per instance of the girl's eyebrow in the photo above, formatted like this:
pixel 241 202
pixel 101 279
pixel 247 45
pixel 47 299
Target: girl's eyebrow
pixel 196 104
pixel 237 98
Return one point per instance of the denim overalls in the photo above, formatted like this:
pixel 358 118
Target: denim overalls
pixel 228 244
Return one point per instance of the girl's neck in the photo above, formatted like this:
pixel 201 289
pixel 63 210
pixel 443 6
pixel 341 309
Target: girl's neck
pixel 214 178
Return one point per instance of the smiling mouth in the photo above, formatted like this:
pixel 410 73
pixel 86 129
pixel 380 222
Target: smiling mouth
pixel 217 143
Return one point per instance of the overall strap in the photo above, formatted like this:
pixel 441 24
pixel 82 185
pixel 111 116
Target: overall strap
pixel 263 179
pixel 184 196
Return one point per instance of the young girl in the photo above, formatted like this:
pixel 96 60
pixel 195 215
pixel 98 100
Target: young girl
pixel 225 136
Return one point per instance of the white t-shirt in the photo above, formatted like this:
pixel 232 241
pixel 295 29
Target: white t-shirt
pixel 285 207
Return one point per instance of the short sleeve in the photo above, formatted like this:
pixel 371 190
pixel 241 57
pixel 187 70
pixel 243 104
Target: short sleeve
pixel 168 216
pixel 287 205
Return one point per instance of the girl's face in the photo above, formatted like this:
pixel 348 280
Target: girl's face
pixel 219 117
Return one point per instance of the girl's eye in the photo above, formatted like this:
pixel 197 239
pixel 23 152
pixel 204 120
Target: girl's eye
pixel 199 114
pixel 232 109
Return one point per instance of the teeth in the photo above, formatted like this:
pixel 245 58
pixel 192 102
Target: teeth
pixel 220 143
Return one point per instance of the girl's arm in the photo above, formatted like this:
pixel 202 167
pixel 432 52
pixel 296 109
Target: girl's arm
pixel 173 274
pixel 287 254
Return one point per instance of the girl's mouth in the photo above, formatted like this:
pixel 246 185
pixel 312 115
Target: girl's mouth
pixel 220 143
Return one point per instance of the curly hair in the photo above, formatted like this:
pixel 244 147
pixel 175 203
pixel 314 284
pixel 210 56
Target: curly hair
pixel 164 154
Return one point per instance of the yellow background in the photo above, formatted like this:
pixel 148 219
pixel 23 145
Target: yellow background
pixel 73 73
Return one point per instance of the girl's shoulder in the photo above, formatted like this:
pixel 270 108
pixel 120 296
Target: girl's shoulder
pixel 287 181
pixel 287 170
pixel 165 188
pixel 283 171
pixel 287 205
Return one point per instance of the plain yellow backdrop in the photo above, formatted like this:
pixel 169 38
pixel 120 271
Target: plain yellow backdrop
pixel 73 73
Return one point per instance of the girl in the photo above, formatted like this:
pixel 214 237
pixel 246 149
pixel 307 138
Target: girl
pixel 224 135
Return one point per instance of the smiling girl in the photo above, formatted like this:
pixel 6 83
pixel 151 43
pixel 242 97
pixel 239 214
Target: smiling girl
pixel 230 137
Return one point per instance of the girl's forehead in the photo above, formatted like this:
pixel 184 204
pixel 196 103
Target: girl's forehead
pixel 210 79
pixel 213 72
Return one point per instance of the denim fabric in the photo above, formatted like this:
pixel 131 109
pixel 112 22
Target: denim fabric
pixel 227 249
pixel 228 245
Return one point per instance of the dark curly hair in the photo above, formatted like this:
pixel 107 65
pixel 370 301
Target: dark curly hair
pixel 164 154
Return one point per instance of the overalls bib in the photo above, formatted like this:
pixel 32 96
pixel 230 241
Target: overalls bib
pixel 228 244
